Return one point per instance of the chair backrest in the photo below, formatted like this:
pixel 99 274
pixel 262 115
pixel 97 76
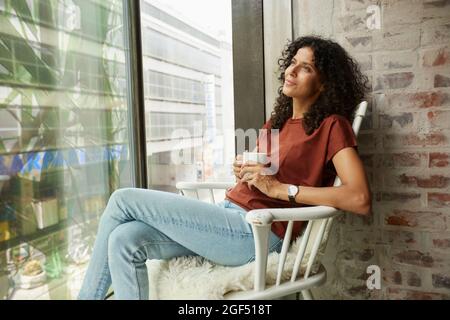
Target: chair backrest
pixel 317 231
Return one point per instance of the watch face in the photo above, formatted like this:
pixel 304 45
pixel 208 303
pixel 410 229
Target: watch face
pixel 292 190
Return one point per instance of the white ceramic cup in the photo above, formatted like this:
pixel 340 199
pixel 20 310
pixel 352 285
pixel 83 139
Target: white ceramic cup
pixel 258 157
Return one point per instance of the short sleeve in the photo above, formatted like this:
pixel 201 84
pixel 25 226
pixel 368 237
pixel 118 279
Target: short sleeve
pixel 341 136
pixel 263 141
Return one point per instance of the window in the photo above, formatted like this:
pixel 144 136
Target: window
pixel 64 139
pixel 188 66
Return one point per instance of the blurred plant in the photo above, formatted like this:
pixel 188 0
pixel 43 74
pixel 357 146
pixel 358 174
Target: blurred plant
pixel 57 79
pixel 53 265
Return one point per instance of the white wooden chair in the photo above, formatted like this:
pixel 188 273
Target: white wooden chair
pixel 312 241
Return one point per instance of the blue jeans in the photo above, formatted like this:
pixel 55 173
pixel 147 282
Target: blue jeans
pixel 141 224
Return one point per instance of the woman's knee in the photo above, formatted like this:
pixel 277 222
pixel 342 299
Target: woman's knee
pixel 127 196
pixel 121 194
pixel 123 241
pixel 118 200
pixel 128 240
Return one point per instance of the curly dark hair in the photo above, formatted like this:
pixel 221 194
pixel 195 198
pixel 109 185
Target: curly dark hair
pixel 344 84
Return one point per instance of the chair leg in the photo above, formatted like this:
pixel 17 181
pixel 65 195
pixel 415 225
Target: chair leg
pixel 307 295
pixel 261 234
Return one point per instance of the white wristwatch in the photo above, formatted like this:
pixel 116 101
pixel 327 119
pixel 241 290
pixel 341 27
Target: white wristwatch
pixel 292 192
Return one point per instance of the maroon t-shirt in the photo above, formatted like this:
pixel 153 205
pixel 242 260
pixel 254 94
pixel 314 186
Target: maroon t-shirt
pixel 303 161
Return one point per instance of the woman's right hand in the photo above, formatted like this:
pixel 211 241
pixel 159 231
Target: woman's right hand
pixel 237 165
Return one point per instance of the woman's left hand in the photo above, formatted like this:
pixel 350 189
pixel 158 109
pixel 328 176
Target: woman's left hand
pixel 259 176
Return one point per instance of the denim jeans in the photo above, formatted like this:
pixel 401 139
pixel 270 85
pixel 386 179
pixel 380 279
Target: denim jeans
pixel 141 224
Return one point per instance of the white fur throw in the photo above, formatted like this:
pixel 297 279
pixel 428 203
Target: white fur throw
pixel 187 278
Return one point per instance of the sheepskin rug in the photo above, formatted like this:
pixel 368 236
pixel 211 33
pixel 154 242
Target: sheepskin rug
pixel 188 278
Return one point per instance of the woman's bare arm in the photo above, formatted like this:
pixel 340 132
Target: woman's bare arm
pixel 353 195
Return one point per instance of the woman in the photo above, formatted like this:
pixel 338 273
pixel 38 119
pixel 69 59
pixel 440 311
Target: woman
pixel 321 87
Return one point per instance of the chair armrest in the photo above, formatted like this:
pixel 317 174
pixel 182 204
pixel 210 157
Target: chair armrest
pixel 204 185
pixel 261 220
pixel 267 216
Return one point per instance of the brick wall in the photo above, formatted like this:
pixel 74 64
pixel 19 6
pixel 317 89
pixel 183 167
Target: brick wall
pixel 405 145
